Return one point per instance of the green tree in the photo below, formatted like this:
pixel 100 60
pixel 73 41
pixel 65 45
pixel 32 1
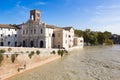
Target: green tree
pixel 13 56
pixel 1 58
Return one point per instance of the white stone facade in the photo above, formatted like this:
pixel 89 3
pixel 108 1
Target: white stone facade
pixel 33 33
pixel 9 35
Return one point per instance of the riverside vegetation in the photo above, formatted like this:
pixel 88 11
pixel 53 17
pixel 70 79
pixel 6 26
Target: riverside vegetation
pixel 94 37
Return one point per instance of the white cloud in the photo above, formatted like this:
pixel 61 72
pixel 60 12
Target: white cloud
pixel 40 3
pixel 106 17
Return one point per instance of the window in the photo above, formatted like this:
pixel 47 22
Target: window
pixel 26 31
pixel 53 35
pixel 41 31
pixel 34 31
pixel 15 35
pixel 69 36
pixel 23 32
pixel 1 35
pixel 9 35
pixel 31 31
pixel 81 41
pixel 8 43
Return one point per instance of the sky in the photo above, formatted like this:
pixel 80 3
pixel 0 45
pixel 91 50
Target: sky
pixel 97 15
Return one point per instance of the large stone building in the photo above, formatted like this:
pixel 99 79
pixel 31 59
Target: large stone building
pixel 9 35
pixel 34 33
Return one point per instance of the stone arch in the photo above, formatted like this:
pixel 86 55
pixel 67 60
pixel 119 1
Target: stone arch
pixel 24 43
pixel 41 44
pixel 31 43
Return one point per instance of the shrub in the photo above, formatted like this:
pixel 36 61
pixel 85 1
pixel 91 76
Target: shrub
pixel 1 58
pixel 53 52
pixel 13 58
pixel 2 51
pixel 9 49
pixel 31 54
pixel 60 52
pixel 37 52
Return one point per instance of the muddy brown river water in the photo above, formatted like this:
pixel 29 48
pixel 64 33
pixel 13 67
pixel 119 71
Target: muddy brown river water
pixel 90 63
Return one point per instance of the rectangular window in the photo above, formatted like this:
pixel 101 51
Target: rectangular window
pixel 15 35
pixel 1 35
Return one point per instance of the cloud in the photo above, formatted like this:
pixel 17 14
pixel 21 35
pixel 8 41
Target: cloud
pixel 106 17
pixel 40 3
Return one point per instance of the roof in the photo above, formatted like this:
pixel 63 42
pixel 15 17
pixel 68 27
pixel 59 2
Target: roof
pixel 8 26
pixel 52 26
pixel 67 28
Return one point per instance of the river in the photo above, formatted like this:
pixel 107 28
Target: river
pixel 89 63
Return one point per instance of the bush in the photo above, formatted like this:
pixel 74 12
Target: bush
pixel 31 54
pixel 2 51
pixel 53 52
pixel 9 49
pixel 60 52
pixel 1 58
pixel 37 52
pixel 13 58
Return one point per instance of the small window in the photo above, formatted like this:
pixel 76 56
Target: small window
pixel 31 31
pixel 1 35
pixel 15 35
pixel 23 32
pixel 69 36
pixel 53 35
pixel 41 31
pixel 9 35
pixel 34 31
pixel 26 31
pixel 8 43
pixel 81 41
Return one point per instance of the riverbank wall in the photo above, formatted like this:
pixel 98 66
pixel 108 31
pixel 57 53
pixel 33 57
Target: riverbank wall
pixel 23 62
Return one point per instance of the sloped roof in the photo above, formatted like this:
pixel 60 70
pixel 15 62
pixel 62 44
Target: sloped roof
pixel 52 26
pixel 67 28
pixel 8 26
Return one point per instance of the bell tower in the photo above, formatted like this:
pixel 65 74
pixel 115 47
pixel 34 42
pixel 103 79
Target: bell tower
pixel 35 15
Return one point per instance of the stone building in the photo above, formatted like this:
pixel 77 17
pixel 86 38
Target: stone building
pixel 34 33
pixel 9 35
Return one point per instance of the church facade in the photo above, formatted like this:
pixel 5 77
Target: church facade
pixel 34 33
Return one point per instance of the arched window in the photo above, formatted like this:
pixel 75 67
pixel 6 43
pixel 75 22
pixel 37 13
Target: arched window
pixel 34 31
pixel 41 31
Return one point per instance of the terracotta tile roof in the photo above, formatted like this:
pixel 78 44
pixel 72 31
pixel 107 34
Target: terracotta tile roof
pixel 8 26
